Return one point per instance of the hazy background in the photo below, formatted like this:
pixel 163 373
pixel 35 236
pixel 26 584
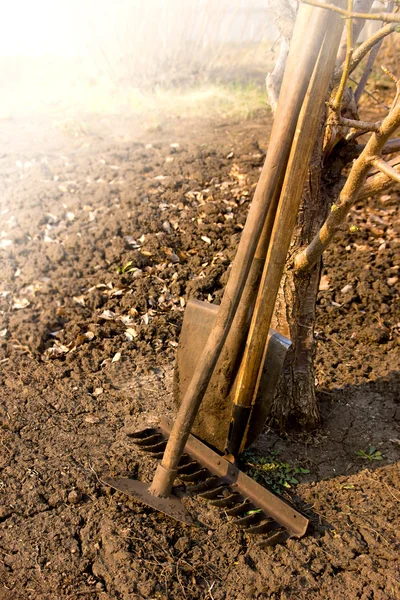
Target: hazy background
pixel 109 56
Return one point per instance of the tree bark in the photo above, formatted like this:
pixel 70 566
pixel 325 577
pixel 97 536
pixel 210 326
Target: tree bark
pixel 295 403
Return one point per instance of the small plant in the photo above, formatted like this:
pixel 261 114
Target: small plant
pixel 126 268
pixel 371 454
pixel 271 471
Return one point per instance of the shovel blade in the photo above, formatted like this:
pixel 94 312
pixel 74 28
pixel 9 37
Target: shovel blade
pixel 213 419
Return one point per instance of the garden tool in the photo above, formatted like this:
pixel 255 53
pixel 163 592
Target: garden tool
pixel 182 454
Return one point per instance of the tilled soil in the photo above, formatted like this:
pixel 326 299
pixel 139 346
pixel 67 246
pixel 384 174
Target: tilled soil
pixel 104 237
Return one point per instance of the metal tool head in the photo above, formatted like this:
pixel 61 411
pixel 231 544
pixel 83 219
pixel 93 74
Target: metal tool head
pixel 171 506
pixel 214 416
pixel 210 476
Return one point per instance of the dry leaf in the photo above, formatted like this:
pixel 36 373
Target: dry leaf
pixel 132 242
pixel 346 288
pixel 79 300
pixel 92 418
pixel 20 303
pixel 57 350
pixel 108 315
pixel 324 284
pixel 130 334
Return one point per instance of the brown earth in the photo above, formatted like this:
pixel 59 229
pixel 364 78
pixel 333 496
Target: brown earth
pixel 104 236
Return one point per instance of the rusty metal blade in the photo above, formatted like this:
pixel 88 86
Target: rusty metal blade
pixel 171 506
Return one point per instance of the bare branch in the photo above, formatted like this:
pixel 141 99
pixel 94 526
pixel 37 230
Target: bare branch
pixel 383 16
pixel 391 146
pixel 386 168
pixel 363 6
pixel 284 17
pixel 352 152
pixel 364 125
pixel 350 192
pixel 366 46
pixel 372 96
pixel 336 104
pixel 367 71
pixel 273 80
pixel 372 56
pixel 376 184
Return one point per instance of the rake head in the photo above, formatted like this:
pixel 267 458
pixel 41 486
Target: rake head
pixel 210 476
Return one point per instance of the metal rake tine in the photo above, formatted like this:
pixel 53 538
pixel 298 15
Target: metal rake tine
pixel 149 441
pixel 213 494
pixel 278 538
pixel 199 475
pixel 228 501
pixel 155 448
pixel 189 467
pixel 204 486
pixel 143 433
pixel 185 460
pixel 263 527
pixel 241 509
pixel 251 519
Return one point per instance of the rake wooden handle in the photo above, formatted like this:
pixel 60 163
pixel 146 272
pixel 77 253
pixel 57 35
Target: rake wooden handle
pixel 308 35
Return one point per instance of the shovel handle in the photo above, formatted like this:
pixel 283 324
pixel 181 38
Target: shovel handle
pixel 303 144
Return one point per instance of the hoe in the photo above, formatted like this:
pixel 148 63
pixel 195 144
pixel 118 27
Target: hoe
pixel 229 360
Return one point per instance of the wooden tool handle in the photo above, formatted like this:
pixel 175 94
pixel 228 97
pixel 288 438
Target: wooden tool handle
pixel 303 143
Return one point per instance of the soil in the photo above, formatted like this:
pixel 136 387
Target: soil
pixel 105 234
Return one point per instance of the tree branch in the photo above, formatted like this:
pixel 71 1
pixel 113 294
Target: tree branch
pixel 391 146
pixel 363 125
pixel 383 16
pixel 367 71
pixel 363 6
pixel 309 256
pixel 386 168
pixel 283 16
pixel 273 80
pixel 366 46
pixel 378 183
pixel 336 104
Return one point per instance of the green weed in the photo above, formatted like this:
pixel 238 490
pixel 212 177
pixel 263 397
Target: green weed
pixel 371 454
pixel 127 268
pixel 269 470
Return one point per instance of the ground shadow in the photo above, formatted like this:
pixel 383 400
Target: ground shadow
pixel 354 418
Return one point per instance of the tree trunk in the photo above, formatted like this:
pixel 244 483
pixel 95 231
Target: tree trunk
pixel 295 403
